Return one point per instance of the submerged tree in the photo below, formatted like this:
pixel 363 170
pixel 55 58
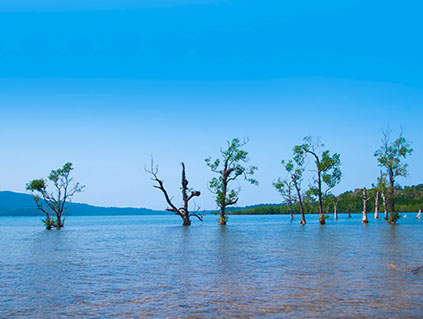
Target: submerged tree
pixel 390 156
pixel 328 172
pixel 229 167
pixel 286 188
pixel 332 199
pixel 380 190
pixel 54 204
pixel 295 169
pixel 187 195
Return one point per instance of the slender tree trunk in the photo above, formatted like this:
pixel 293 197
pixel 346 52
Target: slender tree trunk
pixel 391 195
pixel 365 220
pixel 290 210
pixel 319 184
pixel 377 206
pixel 300 201
pixel 335 211
pixel 59 223
pixel 384 205
pixel 222 218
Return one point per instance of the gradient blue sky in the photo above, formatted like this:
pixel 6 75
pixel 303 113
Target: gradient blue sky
pixel 107 84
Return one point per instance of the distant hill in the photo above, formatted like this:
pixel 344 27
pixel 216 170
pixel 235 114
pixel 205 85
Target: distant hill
pixel 17 204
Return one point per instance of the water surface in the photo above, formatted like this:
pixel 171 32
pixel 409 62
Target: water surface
pixel 255 267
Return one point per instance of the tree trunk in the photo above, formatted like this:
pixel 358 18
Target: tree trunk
pixel 335 211
pixel 377 206
pixel 384 205
pixel 322 221
pixel 222 218
pixel 300 201
pixel 186 220
pixel 319 184
pixel 391 195
pixel 365 220
pixel 59 223
pixel 290 210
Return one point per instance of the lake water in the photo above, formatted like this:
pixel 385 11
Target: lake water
pixel 255 267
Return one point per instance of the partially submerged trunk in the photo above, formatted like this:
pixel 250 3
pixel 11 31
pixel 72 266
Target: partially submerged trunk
pixel 377 206
pixel 392 197
pixel 319 184
pixel 186 220
pixel 300 202
pixel 291 210
pixel 59 222
pixel 335 211
pixel 322 220
pixel 365 199
pixel 222 218
pixel 385 207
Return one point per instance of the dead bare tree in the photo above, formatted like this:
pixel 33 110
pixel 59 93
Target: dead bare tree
pixel 187 195
pixel 377 205
pixel 365 200
pixel 335 208
pixel 385 207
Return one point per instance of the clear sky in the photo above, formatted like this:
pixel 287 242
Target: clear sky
pixel 107 84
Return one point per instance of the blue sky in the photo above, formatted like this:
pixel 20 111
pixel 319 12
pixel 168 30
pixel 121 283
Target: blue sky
pixel 107 84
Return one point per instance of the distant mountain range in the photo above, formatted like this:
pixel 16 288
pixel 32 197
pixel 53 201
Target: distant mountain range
pixel 17 204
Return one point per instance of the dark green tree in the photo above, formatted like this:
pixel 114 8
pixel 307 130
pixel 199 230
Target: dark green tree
pixel 229 167
pixel 328 172
pixel 54 204
pixel 390 156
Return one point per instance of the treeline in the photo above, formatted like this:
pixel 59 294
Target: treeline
pixel 407 199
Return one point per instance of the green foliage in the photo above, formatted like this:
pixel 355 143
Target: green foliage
pixel 327 165
pixel 48 222
pixel 394 217
pixel 390 155
pixel 54 203
pixel 288 187
pixel 330 168
pixel 38 185
pixel 285 188
pixel 230 166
